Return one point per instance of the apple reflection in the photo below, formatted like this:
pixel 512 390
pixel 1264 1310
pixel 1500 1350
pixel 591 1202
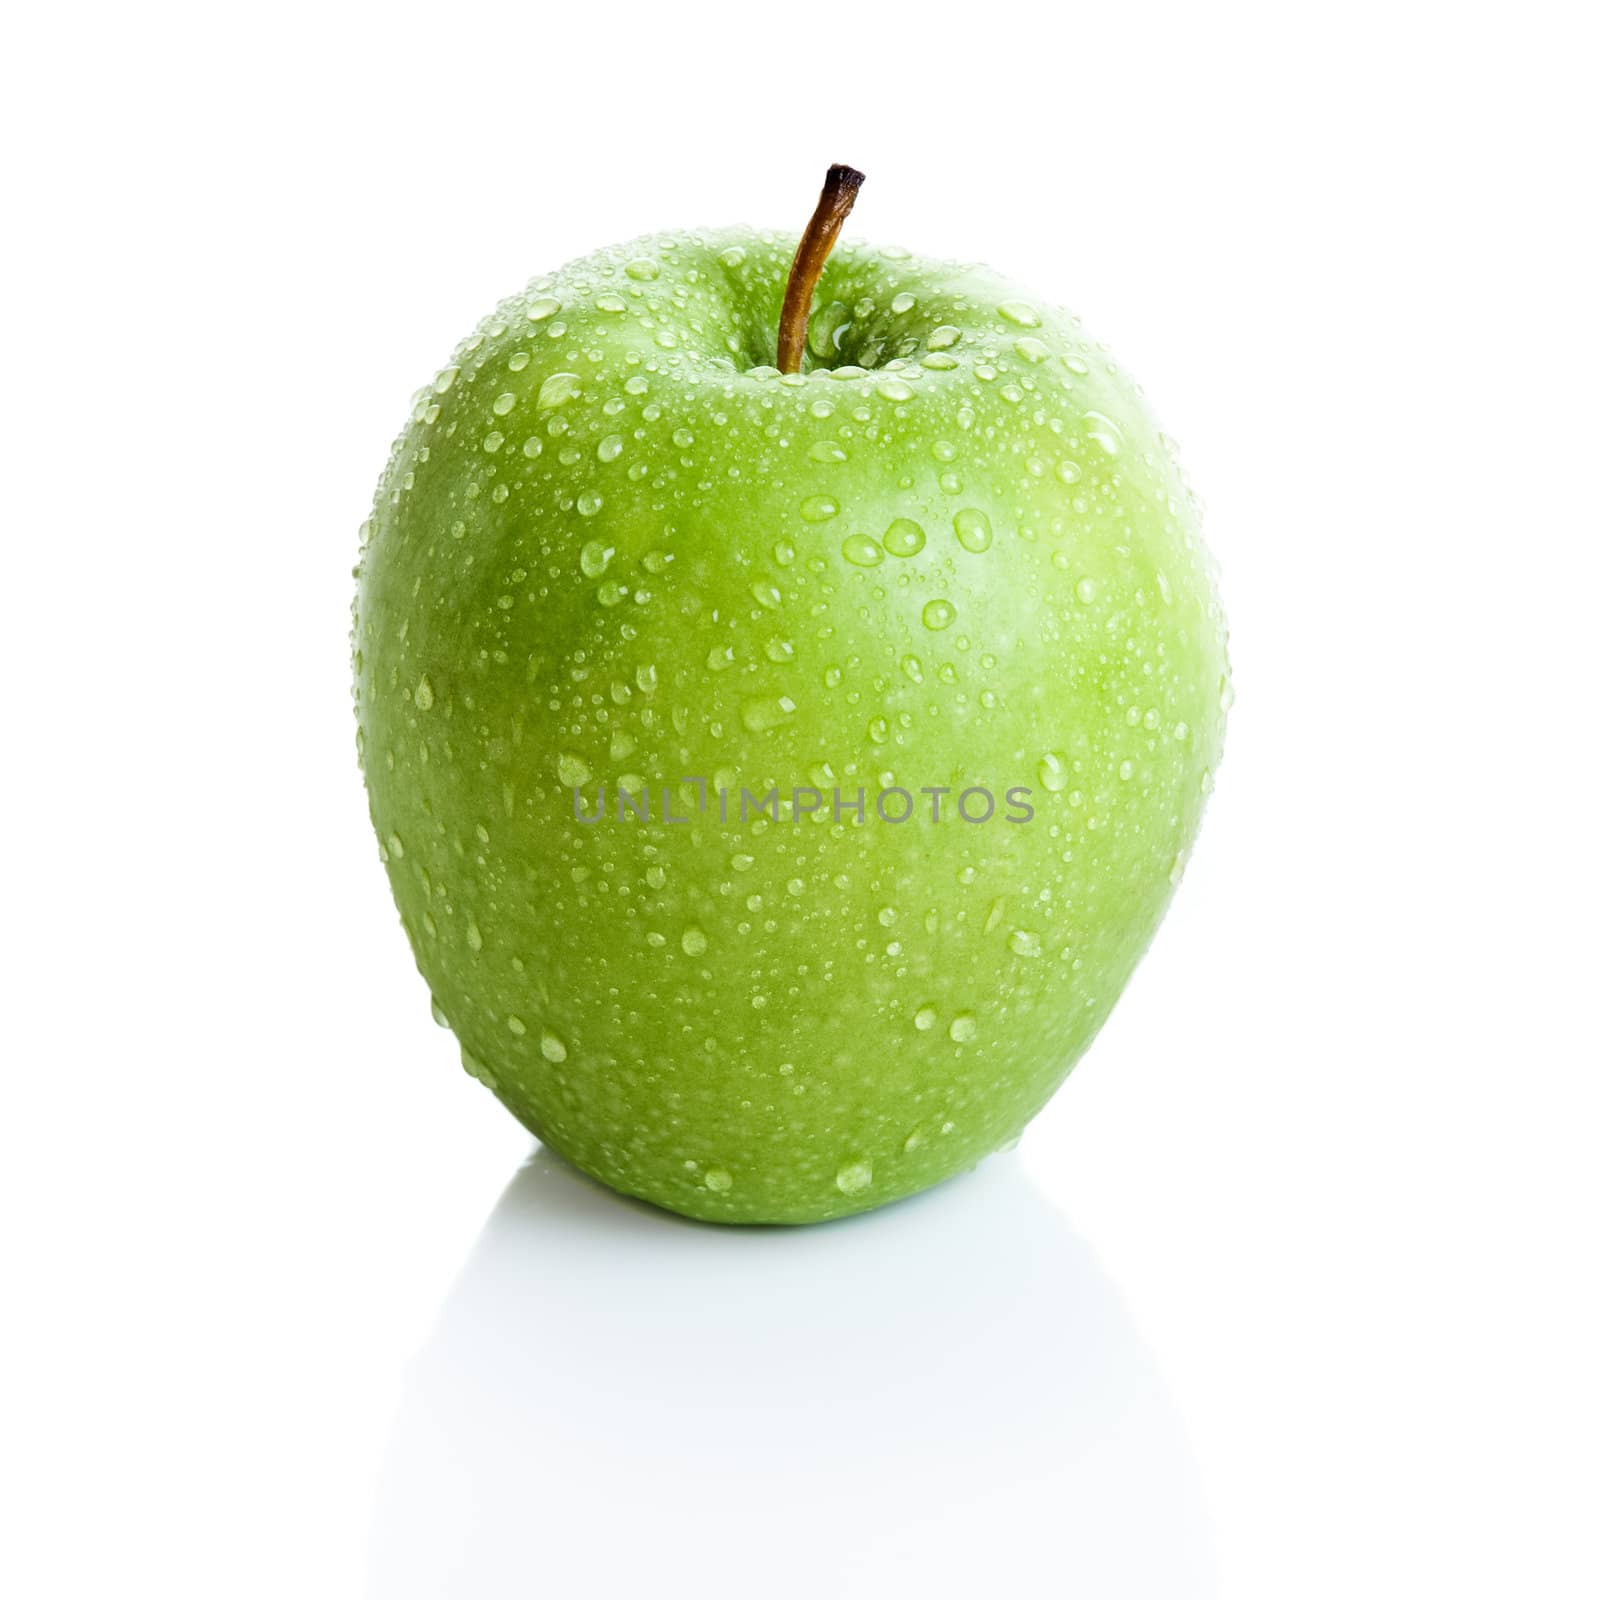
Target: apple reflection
pixel 940 1395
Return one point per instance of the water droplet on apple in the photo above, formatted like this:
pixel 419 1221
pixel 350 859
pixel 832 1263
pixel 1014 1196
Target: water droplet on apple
pixel 818 508
pixel 903 537
pixel 517 1026
pixel 595 558
pixel 1053 772
pixel 854 1176
pixel 693 942
pixel 551 1047
pixel 572 770
pixel 609 447
pixel 1024 943
pixel 589 503
pixel 557 390
pixel 542 308
pixel 862 551
pixel 768 712
pixel 1019 312
pixel 719 1180
pixel 766 594
pixel 1030 349
pixel 1101 430
pixel 422 695
pixel 938 615
pixel 642 269
pixel 476 1069
pixel 943 337
pixel 973 529
pixel 963 1027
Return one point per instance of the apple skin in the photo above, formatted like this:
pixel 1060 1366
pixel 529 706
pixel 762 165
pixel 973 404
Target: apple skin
pixel 613 544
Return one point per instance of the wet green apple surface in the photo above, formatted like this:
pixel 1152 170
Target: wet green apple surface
pixel 681 683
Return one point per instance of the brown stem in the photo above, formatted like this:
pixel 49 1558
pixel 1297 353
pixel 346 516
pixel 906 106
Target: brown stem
pixel 816 243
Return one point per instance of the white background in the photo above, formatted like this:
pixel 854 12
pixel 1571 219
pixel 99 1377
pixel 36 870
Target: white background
pixel 1291 1292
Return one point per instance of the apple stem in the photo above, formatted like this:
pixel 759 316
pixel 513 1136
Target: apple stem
pixel 816 244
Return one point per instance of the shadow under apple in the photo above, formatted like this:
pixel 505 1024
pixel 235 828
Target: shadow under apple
pixel 939 1395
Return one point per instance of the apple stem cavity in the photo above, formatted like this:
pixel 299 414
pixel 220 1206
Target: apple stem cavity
pixel 839 191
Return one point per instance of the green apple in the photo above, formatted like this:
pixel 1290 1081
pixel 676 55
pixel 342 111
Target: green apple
pixel 681 683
